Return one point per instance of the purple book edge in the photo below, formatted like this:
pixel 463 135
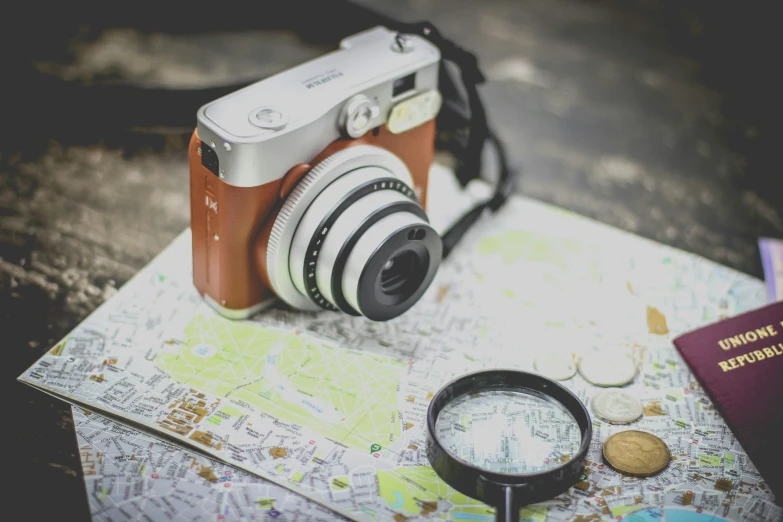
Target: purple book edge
pixel 765 249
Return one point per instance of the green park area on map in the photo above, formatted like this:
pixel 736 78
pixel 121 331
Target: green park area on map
pixel 347 395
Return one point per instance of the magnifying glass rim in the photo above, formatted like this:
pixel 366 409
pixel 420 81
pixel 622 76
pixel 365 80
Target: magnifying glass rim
pixel 522 376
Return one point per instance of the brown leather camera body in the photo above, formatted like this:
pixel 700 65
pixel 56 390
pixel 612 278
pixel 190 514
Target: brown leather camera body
pixel 231 225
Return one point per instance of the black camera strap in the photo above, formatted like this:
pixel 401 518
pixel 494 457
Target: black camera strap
pixel 456 120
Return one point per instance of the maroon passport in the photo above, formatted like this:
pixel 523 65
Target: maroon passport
pixel 739 363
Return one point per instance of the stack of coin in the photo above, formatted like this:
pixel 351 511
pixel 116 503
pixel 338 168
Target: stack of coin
pixel 634 453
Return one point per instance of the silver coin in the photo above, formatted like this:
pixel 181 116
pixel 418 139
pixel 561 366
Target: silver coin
pixel 616 406
pixel 607 368
pixel 557 366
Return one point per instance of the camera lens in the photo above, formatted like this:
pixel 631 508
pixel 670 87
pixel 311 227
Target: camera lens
pixel 357 238
pixel 401 275
pixel 394 276
pixel 388 269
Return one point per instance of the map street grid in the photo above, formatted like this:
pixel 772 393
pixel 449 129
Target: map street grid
pixel 329 410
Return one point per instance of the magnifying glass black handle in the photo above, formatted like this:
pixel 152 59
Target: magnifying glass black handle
pixel 508 510
pixel 509 499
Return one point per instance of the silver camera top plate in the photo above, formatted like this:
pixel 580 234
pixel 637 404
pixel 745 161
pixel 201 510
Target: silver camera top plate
pixel 287 119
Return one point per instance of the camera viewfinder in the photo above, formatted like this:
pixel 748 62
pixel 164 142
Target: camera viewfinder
pixel 402 85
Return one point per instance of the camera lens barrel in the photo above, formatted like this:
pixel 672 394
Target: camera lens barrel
pixel 349 228
pixel 337 207
pixel 352 237
pixel 408 241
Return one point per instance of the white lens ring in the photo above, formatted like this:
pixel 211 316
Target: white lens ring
pixel 366 246
pixel 297 203
pixel 344 195
pixel 344 234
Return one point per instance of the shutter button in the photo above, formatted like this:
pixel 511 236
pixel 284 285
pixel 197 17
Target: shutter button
pixel 268 118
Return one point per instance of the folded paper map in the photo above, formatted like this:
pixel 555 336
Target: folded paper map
pixel 324 413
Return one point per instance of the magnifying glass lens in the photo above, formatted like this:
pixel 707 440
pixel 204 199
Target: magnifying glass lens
pixel 515 431
pixel 508 438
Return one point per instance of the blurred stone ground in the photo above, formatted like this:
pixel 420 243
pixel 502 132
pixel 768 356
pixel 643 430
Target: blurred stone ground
pixel 657 117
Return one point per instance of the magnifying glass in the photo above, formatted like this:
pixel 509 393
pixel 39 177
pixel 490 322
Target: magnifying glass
pixel 507 438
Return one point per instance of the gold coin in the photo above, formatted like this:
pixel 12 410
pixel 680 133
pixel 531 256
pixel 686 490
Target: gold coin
pixel 636 453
